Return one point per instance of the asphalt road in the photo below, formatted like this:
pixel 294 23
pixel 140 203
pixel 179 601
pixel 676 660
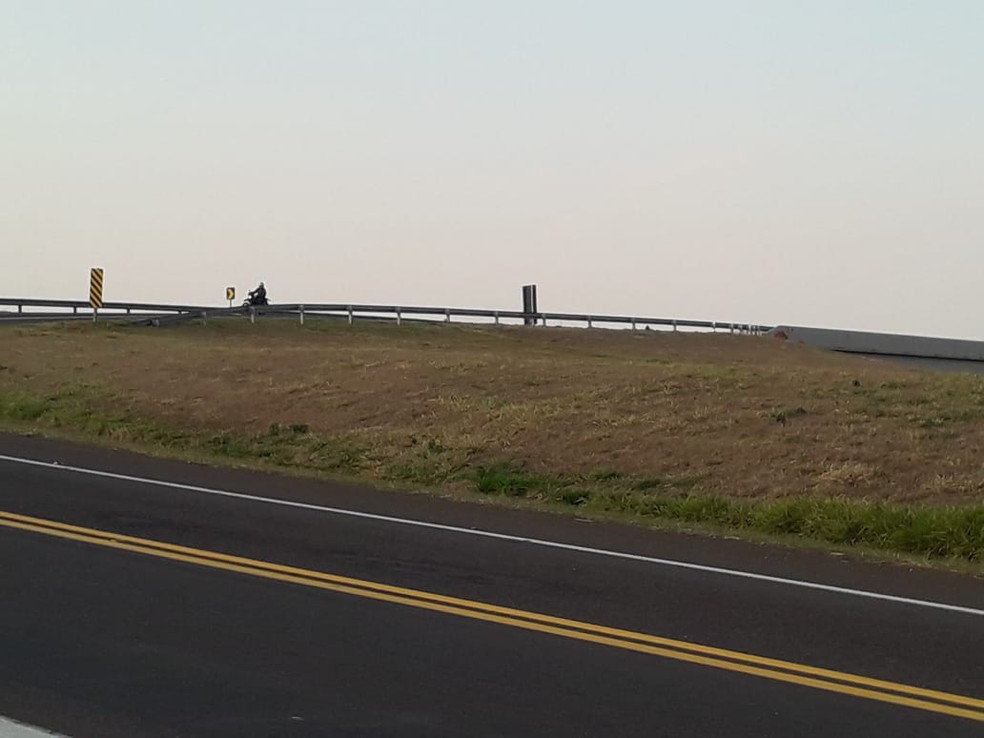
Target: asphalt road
pixel 120 616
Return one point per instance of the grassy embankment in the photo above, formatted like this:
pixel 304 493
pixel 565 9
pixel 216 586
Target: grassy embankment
pixel 737 433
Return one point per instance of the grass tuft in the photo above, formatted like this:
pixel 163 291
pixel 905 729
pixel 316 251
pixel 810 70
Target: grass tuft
pixel 513 481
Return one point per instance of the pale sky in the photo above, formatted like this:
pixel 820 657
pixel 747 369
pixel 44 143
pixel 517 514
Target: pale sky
pixel 811 162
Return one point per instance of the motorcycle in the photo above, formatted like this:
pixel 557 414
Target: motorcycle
pixel 251 302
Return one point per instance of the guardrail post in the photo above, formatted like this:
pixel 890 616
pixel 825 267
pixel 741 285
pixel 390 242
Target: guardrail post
pixel 447 316
pixel 95 314
pixel 301 311
pixel 633 324
pixel 496 316
pixel 75 309
pixel 20 309
pixel 543 319
pixel 205 319
pixel 589 321
pixel 351 317
pixel 399 317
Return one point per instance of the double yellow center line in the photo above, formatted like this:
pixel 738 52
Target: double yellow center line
pixel 718 658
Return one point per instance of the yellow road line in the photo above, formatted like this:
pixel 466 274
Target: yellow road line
pixel 514 613
pixel 817 678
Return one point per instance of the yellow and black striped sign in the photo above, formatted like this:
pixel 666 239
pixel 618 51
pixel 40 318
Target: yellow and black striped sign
pixel 230 293
pixel 96 288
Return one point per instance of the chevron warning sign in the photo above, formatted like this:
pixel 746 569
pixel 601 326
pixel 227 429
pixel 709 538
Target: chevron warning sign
pixel 96 288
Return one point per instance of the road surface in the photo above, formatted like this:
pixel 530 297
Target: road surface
pixel 142 597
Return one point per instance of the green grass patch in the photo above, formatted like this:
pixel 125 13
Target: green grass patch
pixel 513 481
pixel 21 408
pixel 955 532
pixel 942 532
pixel 666 483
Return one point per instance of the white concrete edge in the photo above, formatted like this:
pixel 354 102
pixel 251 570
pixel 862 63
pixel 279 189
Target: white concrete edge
pixel 13 729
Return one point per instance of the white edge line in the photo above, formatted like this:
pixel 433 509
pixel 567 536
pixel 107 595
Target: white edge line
pixel 506 537
pixel 13 729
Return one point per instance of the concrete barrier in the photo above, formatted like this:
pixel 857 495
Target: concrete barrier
pixel 919 350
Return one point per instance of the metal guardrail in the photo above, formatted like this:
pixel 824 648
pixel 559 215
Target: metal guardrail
pixel 158 314
pixel 83 305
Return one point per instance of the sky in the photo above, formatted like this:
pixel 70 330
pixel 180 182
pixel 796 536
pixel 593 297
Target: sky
pixel 769 161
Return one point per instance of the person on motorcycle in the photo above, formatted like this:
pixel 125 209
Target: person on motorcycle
pixel 258 296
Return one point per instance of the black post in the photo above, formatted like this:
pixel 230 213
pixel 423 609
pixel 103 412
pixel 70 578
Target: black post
pixel 529 304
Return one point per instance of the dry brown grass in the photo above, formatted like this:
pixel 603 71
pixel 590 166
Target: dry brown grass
pixel 740 416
